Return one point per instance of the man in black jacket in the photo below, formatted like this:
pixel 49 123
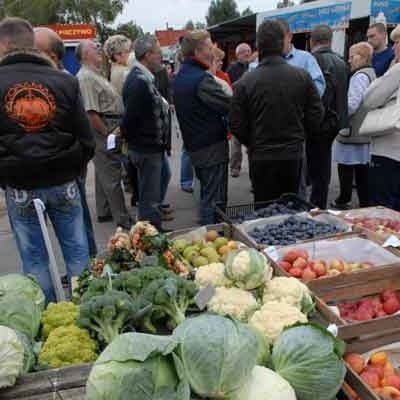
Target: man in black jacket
pixel 319 147
pixel 145 126
pixel 272 108
pixel 45 144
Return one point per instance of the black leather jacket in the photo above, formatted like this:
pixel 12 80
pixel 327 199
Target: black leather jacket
pixel 332 62
pixel 45 136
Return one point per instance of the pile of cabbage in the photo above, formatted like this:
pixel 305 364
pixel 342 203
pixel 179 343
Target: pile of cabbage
pixel 215 357
pixel 21 304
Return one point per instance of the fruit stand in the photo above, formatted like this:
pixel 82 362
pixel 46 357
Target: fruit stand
pixel 155 302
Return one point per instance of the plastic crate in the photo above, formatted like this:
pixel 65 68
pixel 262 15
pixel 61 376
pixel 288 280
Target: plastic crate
pixel 232 214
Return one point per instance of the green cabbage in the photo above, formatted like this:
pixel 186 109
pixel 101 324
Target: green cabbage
pixel 265 385
pixel 216 354
pixel 26 285
pixel 310 359
pixel 136 366
pixel 19 312
pixel 29 354
pixel 11 357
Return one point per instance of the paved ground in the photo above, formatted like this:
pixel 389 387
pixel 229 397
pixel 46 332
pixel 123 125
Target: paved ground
pixel 183 203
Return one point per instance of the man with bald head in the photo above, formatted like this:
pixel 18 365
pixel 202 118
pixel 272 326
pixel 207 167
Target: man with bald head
pixel 235 72
pixel 50 43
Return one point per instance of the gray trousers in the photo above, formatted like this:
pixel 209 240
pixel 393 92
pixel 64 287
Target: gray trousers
pixel 149 167
pixel 110 199
pixel 236 155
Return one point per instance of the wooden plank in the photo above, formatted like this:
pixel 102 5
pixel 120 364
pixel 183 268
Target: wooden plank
pixel 69 394
pixel 47 381
pixel 362 390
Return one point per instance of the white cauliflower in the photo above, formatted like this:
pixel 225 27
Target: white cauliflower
pixel 274 316
pixel 234 302
pixel 212 274
pixel 248 268
pixel 288 290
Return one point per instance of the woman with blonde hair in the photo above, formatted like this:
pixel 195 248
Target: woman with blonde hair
pixel 384 174
pixel 351 151
pixel 118 49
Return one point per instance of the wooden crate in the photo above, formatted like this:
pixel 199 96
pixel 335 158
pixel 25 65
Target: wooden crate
pixel 372 212
pixel 323 285
pixel 61 384
pixel 378 281
pixel 364 345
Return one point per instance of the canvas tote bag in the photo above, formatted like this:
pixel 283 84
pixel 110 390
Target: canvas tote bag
pixel 384 120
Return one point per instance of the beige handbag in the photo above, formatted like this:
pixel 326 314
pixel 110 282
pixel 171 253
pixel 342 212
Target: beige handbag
pixel 384 120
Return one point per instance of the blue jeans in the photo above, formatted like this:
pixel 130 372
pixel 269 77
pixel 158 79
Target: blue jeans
pixel 64 208
pixel 165 177
pixel 186 170
pixel 149 168
pixel 87 220
pixel 213 190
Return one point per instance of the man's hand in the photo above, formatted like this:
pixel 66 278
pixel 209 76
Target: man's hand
pixel 97 123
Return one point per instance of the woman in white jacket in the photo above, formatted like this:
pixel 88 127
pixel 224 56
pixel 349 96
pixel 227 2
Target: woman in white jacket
pixel 384 176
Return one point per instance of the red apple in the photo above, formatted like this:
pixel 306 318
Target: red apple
pixel 303 254
pixel 393 380
pixel 391 305
pixel 363 315
pixel 355 361
pixel 309 274
pixel 300 263
pixel 376 369
pixel 291 256
pixel 371 379
pixel 296 272
pixel 320 269
pixel 380 314
pixel 285 265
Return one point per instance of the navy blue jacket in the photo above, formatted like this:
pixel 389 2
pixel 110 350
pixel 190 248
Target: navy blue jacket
pixel 201 106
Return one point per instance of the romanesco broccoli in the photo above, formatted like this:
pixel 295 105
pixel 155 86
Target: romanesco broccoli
pixel 68 345
pixel 59 314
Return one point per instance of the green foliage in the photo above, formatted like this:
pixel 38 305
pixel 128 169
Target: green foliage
pixel 247 11
pixel 221 11
pixel 285 3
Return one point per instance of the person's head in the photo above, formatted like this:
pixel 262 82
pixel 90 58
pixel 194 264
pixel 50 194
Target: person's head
pixel 198 44
pixel 395 37
pixel 270 39
pixel 377 36
pixel 243 53
pixel 50 43
pixel 360 55
pixel 117 49
pixel 88 53
pixel 321 36
pixel 288 35
pixel 170 70
pixel 15 33
pixel 218 58
pixel 148 52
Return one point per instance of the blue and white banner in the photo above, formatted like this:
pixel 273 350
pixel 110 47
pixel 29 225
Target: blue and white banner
pixel 336 16
pixel 390 8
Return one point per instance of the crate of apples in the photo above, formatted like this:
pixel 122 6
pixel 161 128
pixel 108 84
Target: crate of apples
pixel 387 303
pixel 298 264
pixel 378 373
pixel 378 225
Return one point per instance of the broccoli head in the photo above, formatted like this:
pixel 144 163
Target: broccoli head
pixel 108 314
pixel 169 299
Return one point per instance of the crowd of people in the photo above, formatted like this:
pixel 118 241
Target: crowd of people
pixel 291 110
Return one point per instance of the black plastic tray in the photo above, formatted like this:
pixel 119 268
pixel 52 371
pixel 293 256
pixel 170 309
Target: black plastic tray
pixel 232 214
